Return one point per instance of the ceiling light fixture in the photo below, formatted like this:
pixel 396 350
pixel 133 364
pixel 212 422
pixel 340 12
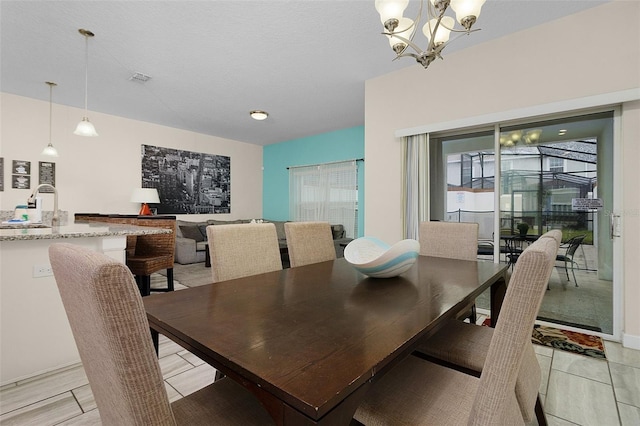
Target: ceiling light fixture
pixel 401 31
pixel 259 115
pixel 49 149
pixel 85 128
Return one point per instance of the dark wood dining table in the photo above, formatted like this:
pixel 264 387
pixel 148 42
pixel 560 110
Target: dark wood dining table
pixel 309 341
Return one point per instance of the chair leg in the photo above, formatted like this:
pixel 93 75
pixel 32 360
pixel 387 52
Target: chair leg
pixel 473 318
pixel 170 279
pixel 542 420
pixel 566 270
pixel 144 284
pixel 156 341
pixel 573 273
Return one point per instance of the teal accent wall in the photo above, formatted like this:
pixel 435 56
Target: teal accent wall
pixel 340 145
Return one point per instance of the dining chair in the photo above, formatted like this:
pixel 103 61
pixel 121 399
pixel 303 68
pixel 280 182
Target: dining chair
pixel 153 253
pixel 417 392
pixel 240 250
pixel 110 327
pixel 464 346
pixel 455 240
pixel 309 242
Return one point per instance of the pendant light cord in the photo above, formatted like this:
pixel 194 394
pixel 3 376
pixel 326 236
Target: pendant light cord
pixel 86 74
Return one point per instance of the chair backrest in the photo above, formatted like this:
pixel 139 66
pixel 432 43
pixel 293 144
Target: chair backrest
pixel 111 330
pixel 513 332
pixel 309 242
pixel 455 240
pixel 556 234
pixel 157 244
pixel 573 244
pixel 241 250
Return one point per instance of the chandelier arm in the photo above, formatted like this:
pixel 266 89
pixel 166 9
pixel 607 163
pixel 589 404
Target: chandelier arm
pixel 407 41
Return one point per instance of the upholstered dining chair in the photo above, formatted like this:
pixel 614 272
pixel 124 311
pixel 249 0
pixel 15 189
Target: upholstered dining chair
pixel 465 346
pixel 111 331
pixel 418 391
pixel 241 250
pixel 309 242
pixel 455 240
pixel 153 253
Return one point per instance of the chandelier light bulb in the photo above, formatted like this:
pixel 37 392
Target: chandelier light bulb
pixel 467 11
pixel 391 10
pixel 443 31
pixel 403 30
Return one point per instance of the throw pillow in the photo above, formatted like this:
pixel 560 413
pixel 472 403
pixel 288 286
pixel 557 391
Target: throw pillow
pixel 192 232
pixel 203 230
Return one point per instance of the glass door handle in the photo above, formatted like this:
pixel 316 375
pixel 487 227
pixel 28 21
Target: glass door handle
pixel 613 225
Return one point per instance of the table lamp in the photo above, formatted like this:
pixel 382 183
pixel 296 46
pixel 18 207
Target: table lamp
pixel 144 196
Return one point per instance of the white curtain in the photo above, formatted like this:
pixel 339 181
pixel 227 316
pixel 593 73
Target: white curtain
pixel 325 192
pixel 414 183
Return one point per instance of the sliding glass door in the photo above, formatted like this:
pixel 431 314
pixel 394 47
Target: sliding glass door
pixel 520 180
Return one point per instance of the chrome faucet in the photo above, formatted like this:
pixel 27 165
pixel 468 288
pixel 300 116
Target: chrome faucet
pixel 55 221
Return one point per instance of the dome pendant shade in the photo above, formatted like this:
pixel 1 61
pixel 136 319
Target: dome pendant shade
pixel 85 128
pixel 50 151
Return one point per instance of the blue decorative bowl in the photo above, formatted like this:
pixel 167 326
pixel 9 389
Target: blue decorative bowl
pixel 378 259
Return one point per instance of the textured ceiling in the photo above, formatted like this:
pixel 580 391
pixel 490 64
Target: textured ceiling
pixel 211 62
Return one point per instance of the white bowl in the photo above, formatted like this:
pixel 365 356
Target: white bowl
pixel 377 259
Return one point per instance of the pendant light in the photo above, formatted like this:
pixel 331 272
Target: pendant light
pixel 49 149
pixel 85 128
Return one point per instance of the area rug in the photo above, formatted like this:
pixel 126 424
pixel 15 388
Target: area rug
pixel 191 275
pixel 570 341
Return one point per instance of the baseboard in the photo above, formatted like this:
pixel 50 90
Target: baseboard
pixel 630 341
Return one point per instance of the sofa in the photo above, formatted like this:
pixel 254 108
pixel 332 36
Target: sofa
pixel 191 239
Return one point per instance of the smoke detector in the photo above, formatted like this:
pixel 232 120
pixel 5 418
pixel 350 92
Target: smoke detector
pixel 139 77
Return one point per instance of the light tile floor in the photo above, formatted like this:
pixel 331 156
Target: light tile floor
pixel 575 390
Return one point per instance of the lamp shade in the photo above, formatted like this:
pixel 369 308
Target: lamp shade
pixel 466 8
pixel 85 128
pixel 391 9
pixel 50 151
pixel 145 195
pixel 442 33
pixel 403 30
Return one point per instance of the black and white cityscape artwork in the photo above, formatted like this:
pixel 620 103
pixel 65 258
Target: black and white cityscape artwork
pixel 187 182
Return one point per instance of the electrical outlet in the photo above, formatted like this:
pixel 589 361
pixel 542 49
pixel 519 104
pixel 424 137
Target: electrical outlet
pixel 42 271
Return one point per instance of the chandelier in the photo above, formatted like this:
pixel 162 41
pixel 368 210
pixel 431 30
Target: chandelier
pixel 511 139
pixel 401 30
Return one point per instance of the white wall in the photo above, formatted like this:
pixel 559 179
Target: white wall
pixel 559 61
pixel 93 175
pixel 97 175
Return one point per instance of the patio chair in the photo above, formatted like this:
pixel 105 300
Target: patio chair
pixel 309 242
pixel 111 331
pixel 419 392
pixel 568 257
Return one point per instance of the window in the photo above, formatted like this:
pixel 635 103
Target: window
pixel 325 192
pixel 556 165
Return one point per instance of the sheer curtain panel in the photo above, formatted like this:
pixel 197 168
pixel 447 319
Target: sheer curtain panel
pixel 325 192
pixel 414 183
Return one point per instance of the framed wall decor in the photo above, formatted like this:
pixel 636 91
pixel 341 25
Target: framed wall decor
pixel 21 174
pixel 187 182
pixel 46 174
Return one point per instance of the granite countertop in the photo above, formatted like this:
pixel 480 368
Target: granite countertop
pixel 76 230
